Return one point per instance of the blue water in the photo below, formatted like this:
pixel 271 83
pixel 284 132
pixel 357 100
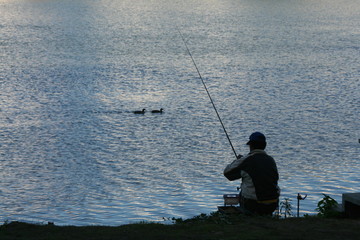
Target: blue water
pixel 71 73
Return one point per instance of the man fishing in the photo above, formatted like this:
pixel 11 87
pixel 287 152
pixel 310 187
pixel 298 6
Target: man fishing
pixel 259 185
pixel 259 189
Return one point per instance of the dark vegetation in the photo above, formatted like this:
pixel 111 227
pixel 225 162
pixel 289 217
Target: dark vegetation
pixel 328 224
pixel 216 226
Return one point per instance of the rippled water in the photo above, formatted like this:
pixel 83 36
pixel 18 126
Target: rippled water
pixel 72 72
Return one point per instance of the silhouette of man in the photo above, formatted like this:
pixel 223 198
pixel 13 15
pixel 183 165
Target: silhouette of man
pixel 259 178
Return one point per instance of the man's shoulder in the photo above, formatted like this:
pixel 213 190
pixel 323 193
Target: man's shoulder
pixel 259 154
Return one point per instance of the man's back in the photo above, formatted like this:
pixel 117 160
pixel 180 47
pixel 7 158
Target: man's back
pixel 263 172
pixel 259 175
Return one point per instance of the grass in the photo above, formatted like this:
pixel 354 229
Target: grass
pixel 215 226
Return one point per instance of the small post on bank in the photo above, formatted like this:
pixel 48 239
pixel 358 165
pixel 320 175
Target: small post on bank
pixel 299 197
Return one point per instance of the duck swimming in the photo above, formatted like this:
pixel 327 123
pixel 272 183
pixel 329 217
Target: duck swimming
pixel 157 111
pixel 139 112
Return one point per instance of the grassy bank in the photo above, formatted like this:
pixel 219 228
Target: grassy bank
pixel 234 227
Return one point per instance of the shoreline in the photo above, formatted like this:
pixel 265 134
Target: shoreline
pixel 200 227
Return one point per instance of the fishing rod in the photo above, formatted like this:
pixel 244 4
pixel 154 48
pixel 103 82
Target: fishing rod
pixel 208 93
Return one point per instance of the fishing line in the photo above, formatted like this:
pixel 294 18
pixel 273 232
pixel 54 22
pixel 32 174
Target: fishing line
pixel 207 91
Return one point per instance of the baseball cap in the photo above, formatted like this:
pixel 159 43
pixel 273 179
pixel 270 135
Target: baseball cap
pixel 256 137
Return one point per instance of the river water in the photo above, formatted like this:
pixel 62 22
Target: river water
pixel 71 73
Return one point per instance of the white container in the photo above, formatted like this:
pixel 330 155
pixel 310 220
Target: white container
pixel 231 199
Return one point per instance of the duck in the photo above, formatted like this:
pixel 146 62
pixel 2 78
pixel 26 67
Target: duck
pixel 139 112
pixel 157 111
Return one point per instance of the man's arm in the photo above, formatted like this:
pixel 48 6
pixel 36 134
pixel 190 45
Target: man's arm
pixel 233 170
